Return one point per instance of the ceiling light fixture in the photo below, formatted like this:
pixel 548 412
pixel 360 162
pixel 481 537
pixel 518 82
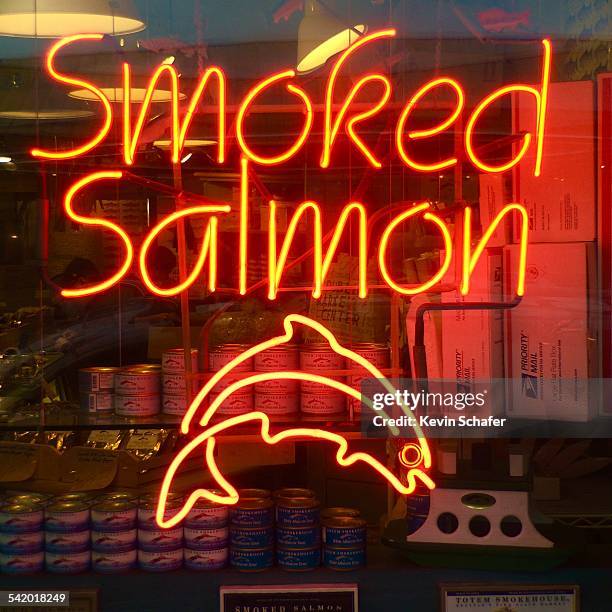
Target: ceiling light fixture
pixel 322 35
pixel 51 18
pixel 115 94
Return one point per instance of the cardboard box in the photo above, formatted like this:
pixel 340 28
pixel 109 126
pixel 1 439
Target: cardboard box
pixel 604 165
pixel 551 336
pixel 561 202
pixel 492 197
pixel 433 339
pixel 472 340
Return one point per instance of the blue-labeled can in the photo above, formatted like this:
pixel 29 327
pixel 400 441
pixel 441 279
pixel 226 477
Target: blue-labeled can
pixel 22 563
pixel 298 537
pixel 417 508
pixel 21 517
pixel 60 542
pixel 11 543
pixel 113 541
pixel 67 516
pixel 297 511
pixel 344 532
pixel 298 560
pixel 67 563
pixel 253 512
pixel 160 561
pixel 343 559
pixel 113 563
pixel 113 515
pixel 157 540
pixel 206 539
pixel 251 559
pixel 205 560
pixel 251 537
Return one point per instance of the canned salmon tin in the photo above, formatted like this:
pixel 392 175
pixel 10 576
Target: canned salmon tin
pixel 18 543
pixel 175 405
pixel 113 541
pixel 160 561
pixel 322 403
pixel 67 563
pixel 205 560
pixel 173 383
pixel 343 559
pixel 137 380
pixel 97 379
pixel 206 515
pixel 80 496
pixel 20 518
pixel 252 512
pixel 298 560
pixel 157 540
pixel 137 405
pixel 39 499
pixel 319 358
pixel 118 496
pixel 284 358
pixel 206 539
pixel 97 402
pixel 251 559
pixel 316 356
pixel 298 537
pixel 173 360
pixel 254 493
pixel 67 516
pixel 22 563
pixel 277 404
pixel 223 354
pixel 113 516
pixel 147 508
pixel 291 492
pixel 297 511
pixel 113 563
pixel 236 403
pixel 72 542
pixel 344 532
pixel 251 537
pixel 329 513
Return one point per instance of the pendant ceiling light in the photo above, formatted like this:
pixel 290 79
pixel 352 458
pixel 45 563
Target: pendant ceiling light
pixel 322 35
pixel 51 18
pixel 115 94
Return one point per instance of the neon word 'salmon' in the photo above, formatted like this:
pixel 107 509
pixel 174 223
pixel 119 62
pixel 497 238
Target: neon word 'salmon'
pixel 334 121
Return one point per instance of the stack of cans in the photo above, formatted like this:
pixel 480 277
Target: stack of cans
pixel 252 531
pixel 159 550
pixel 377 355
pixel 206 536
pixel 137 391
pixel 298 530
pixel 344 539
pixel 96 388
pixel 174 397
pixel 241 400
pixel 67 536
pixel 278 397
pixel 317 399
pixel 21 534
pixel 113 533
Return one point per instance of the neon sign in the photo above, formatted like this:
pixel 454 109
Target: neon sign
pixel 415 468
pixel 179 129
pixel 336 115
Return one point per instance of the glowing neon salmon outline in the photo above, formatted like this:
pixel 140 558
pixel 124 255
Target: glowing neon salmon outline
pixel 207 437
